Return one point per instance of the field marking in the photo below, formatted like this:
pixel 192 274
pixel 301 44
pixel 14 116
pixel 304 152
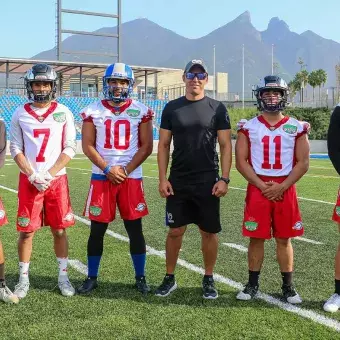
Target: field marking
pixel 304 239
pixel 236 246
pixel 78 265
pixel 306 313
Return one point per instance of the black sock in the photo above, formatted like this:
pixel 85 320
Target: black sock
pixel 337 286
pixel 206 277
pixel 2 283
pixel 287 278
pixel 254 278
pixel 171 276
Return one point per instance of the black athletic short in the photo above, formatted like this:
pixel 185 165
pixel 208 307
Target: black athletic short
pixel 194 203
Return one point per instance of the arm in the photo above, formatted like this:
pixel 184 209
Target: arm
pixel 69 146
pixel 333 141
pixel 3 143
pixel 224 140
pixel 163 154
pixel 242 164
pixel 146 146
pixel 17 146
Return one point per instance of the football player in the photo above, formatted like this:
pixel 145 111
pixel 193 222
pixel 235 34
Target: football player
pixel 272 154
pixel 5 294
pixel 42 136
pixel 333 303
pixel 117 137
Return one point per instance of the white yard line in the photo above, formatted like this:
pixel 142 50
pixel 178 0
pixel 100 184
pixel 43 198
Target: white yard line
pixel 304 239
pixel 306 313
pixel 236 246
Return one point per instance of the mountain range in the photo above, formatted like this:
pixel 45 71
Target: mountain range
pixel 148 44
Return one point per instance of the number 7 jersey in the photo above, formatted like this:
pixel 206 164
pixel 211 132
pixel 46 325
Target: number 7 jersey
pixel 117 131
pixel 272 148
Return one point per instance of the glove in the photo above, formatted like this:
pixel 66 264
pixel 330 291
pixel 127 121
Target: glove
pixel 40 183
pixel 46 176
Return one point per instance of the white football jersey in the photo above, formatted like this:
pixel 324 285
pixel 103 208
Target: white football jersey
pixel 42 135
pixel 117 133
pixel 272 148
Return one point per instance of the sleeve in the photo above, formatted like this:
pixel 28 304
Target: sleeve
pixel 148 116
pixel 69 138
pixel 333 140
pixel 15 135
pixel 241 127
pixel 222 118
pixel 85 115
pixel 166 118
pixel 3 143
pixel 303 128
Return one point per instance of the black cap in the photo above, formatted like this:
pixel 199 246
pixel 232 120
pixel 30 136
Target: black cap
pixel 195 62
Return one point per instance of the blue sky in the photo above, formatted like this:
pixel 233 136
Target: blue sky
pixel 28 27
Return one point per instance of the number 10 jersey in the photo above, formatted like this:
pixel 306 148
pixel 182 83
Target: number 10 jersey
pixel 117 131
pixel 272 148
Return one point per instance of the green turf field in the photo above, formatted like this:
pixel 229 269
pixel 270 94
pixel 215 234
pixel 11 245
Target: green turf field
pixel 116 311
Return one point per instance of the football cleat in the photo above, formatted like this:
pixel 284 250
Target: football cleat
pixel 141 285
pixel 248 293
pixel 21 289
pixel 88 286
pixel 167 286
pixel 65 286
pixel 209 290
pixel 7 296
pixel 290 294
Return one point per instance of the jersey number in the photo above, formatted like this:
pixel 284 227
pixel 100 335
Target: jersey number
pixel 266 140
pixel 118 144
pixel 36 133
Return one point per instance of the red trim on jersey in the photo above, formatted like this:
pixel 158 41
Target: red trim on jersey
pixel 246 133
pixel 149 116
pixel 116 109
pixel 270 127
pixel 296 138
pixel 41 118
pixel 63 137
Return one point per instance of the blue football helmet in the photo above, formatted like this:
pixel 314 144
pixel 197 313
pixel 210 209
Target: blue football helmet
pixel 118 71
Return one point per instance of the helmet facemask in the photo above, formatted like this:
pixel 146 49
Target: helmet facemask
pixel 271 100
pixel 117 93
pixel 41 96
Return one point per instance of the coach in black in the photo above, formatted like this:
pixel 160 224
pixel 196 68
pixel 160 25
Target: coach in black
pixel 193 190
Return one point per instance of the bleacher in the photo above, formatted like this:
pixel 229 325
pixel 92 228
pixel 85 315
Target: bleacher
pixel 8 104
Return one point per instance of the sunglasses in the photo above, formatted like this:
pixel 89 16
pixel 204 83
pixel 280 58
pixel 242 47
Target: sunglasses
pixel 191 76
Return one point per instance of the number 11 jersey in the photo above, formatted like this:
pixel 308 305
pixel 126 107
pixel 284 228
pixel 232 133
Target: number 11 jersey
pixel 272 148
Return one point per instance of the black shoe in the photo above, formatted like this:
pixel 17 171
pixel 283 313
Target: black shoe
pixel 141 285
pixel 209 290
pixel 290 294
pixel 88 286
pixel 168 285
pixel 248 292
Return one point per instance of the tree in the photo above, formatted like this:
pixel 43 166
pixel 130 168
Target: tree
pixel 313 81
pixel 301 79
pixel 294 86
pixel 321 79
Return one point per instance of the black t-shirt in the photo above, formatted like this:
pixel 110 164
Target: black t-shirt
pixel 194 126
pixel 333 139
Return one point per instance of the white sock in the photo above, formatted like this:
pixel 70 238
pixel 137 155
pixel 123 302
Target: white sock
pixel 62 263
pixel 23 271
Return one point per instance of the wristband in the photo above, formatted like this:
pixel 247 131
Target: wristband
pixel 125 171
pixel 107 169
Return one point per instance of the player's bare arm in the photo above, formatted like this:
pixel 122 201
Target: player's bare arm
pixel 242 164
pixel 145 149
pixel 220 189
pixel 301 167
pixel 116 174
pixel 163 155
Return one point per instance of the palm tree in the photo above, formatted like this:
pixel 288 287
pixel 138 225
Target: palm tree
pixel 322 78
pixel 313 81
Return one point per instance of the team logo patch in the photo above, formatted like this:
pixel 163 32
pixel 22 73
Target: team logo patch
pixel 95 211
pixel 290 129
pixel 2 214
pixel 133 113
pixel 141 207
pixel 23 221
pixel 251 225
pixel 69 217
pixel 298 225
pixel 169 217
pixel 337 210
pixel 59 117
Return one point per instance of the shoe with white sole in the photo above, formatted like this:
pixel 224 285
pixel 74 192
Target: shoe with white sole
pixel 7 296
pixel 21 289
pixel 290 294
pixel 66 287
pixel 332 304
